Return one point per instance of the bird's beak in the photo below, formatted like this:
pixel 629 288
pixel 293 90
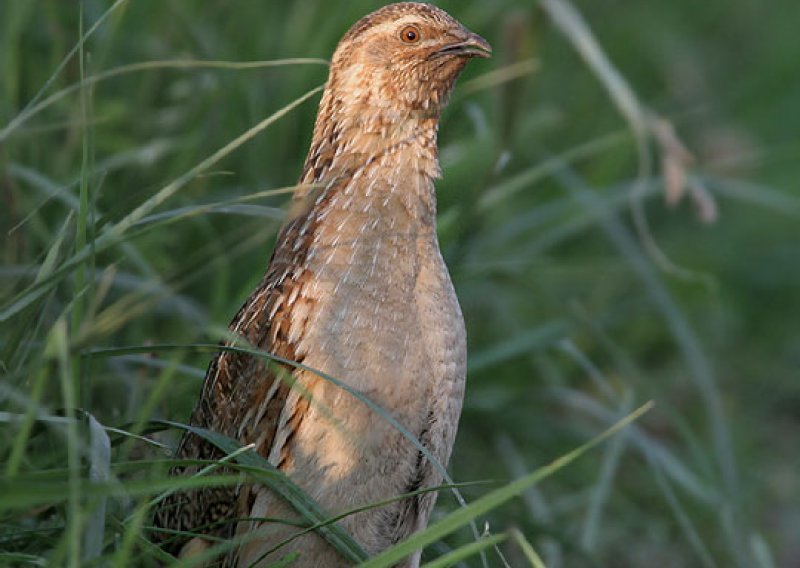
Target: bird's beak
pixel 473 46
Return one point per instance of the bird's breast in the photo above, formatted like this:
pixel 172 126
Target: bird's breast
pixel 379 313
pixel 365 292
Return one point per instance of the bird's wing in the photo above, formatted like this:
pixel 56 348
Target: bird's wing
pixel 242 397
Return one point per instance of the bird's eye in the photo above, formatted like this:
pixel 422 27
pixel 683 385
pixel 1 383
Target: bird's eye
pixel 410 34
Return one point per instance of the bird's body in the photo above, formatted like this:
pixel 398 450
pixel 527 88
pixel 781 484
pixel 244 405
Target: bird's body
pixel 356 288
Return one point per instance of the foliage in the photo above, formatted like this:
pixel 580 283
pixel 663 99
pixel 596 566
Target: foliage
pixel 143 173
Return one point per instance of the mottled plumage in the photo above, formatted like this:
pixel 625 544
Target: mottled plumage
pixel 356 288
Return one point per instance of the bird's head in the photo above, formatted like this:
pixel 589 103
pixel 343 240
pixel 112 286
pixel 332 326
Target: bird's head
pixel 403 59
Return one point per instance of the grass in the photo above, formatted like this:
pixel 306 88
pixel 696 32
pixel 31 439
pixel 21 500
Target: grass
pixel 143 171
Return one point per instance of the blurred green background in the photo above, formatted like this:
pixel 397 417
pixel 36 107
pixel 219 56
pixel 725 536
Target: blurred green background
pixel 573 320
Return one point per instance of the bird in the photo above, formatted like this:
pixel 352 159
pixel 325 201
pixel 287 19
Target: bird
pixel 357 289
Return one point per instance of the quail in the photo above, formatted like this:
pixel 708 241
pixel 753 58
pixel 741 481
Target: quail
pixel 356 288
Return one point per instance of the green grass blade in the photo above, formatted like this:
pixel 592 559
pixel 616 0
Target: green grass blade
pixel 78 47
pixel 99 472
pixel 60 352
pixel 34 109
pixel 467 551
pixel 493 500
pixel 527 549
pixel 114 234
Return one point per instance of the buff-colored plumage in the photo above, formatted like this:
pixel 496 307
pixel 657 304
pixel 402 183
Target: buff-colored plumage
pixel 356 288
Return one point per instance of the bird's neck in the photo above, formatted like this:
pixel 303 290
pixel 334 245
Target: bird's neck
pixel 366 206
pixel 374 155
